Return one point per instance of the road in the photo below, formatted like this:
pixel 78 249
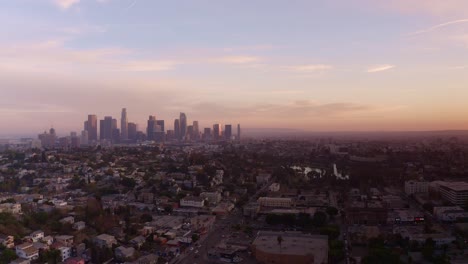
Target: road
pixel 214 236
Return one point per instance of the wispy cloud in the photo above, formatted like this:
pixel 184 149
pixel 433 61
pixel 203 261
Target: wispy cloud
pixel 379 68
pixel 309 68
pixel 438 26
pixel 237 59
pixel 65 4
pixel 147 66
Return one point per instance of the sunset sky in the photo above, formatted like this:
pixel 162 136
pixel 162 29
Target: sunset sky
pixel 318 65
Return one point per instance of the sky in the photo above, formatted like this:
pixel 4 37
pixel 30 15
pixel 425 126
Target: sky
pixel 315 65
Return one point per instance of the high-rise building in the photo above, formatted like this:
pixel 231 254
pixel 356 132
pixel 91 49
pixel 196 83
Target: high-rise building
pixel 196 131
pixel 177 129
pixel 183 125
pixel 151 127
pixel 48 139
pixel 160 123
pixel 106 128
pixel 238 132
pixel 189 134
pixel 132 131
pixel 207 133
pixel 124 125
pixel 216 131
pixel 170 135
pixel 227 132
pixel 92 128
pixel 85 126
pixel 84 137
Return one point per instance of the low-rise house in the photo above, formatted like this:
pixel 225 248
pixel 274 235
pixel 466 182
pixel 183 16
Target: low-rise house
pixel 105 240
pixel 211 197
pixel 138 241
pixel 80 225
pixel 13 208
pixel 65 252
pixel 27 251
pixel 65 240
pixel 7 241
pixel 124 253
pixel 37 236
pixel 48 240
pixel 68 220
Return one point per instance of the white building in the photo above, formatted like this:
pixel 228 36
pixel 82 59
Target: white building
pixel 274 187
pixel 37 236
pixel 412 187
pixel 27 251
pixel 13 208
pixel 65 253
pixel 192 201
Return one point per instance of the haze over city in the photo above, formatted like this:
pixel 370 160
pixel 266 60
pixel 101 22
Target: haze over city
pixel 355 65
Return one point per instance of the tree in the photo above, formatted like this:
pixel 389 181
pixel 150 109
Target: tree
pixel 319 219
pixel 195 238
pixel 332 211
pixel 7 256
pixel 146 218
pixel 428 249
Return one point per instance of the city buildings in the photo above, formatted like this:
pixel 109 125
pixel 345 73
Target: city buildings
pixel 412 187
pixel 151 127
pixel 183 125
pixel 92 128
pixel 453 192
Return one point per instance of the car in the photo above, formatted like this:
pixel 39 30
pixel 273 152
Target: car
pixel 191 249
pixel 196 251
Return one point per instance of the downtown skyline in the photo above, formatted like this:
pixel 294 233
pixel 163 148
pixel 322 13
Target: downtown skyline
pixel 308 65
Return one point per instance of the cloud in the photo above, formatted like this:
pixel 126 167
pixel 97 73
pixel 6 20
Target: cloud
pixel 65 4
pixel 438 8
pixel 310 68
pixel 237 59
pixel 438 26
pixel 147 66
pixel 379 68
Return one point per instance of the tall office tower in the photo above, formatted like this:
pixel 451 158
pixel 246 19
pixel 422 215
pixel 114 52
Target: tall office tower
pixel 238 132
pixel 84 137
pixel 114 123
pixel 177 129
pixel 132 131
pixel 124 124
pixel 170 135
pixel 115 135
pixel 216 131
pixel 106 128
pixel 73 134
pixel 207 133
pixel 227 132
pixel 196 130
pixel 183 125
pixel 48 139
pixel 85 126
pixel 92 128
pixel 161 124
pixel 151 128
pixel 189 134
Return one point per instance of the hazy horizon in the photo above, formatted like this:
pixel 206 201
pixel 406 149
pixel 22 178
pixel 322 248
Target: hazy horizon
pixel 313 66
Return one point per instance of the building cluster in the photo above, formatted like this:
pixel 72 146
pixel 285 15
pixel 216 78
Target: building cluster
pixel 110 133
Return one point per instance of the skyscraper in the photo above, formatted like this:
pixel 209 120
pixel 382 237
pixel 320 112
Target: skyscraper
pixel 216 131
pixel 124 125
pixel 227 132
pixel 151 127
pixel 84 137
pixel 207 133
pixel 160 123
pixel 177 129
pixel 238 132
pixel 132 131
pixel 92 128
pixel 196 130
pixel 189 134
pixel 183 125
pixel 106 128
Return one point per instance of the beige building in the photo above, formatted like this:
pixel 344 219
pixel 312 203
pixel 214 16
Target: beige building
pixel 274 202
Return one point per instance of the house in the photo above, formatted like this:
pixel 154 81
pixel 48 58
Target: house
pixel 27 251
pixel 124 253
pixel 37 235
pixel 48 240
pixel 65 252
pixel 68 220
pixel 65 240
pixel 148 259
pixel 138 241
pixel 7 241
pixel 20 261
pixel 80 225
pixel 211 197
pixel 105 240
